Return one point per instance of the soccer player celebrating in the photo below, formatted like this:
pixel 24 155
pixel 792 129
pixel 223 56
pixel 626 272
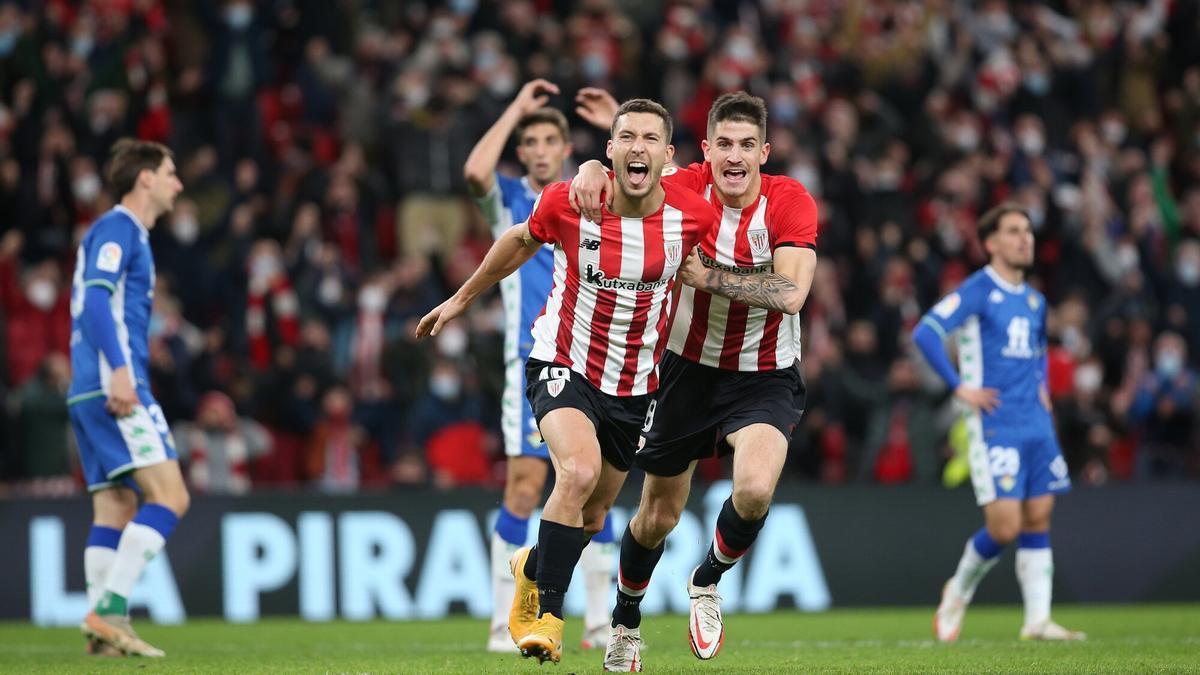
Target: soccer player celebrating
pixel 1016 464
pixel 123 439
pixel 594 361
pixel 542 147
pixel 730 381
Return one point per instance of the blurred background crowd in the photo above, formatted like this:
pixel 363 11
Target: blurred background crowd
pixel 321 147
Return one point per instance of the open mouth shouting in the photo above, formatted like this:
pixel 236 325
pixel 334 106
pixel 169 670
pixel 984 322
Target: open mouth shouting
pixel 638 172
pixel 735 176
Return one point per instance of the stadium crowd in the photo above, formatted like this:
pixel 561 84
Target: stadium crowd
pixel 321 147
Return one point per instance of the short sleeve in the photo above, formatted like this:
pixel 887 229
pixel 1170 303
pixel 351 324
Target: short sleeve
pixel 793 215
pixel 492 203
pixel 108 253
pixel 694 177
pixel 953 310
pixel 544 217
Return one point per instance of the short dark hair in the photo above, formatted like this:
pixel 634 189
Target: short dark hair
pixel 739 107
pixel 644 105
pixel 129 158
pixel 989 222
pixel 543 116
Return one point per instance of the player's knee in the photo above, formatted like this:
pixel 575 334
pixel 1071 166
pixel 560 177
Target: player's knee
pixel 578 478
pixel 177 499
pixel 521 496
pixel 752 499
pixel 661 518
pixel 1005 531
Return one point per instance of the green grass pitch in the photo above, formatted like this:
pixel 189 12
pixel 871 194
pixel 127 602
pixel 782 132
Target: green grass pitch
pixel 1124 639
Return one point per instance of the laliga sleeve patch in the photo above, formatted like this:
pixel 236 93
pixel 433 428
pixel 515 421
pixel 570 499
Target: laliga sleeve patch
pixel 947 306
pixel 108 259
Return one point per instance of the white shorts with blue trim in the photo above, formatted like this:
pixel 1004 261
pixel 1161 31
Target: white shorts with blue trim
pixel 110 449
pixel 1010 461
pixel 521 435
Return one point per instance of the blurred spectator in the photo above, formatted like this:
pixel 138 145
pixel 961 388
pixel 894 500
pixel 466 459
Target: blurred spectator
pixel 36 312
pixel 40 415
pixel 218 447
pixel 1165 411
pixel 332 459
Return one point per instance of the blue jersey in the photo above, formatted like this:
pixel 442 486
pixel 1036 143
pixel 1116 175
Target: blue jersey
pixel 524 293
pixel 115 254
pixel 1002 344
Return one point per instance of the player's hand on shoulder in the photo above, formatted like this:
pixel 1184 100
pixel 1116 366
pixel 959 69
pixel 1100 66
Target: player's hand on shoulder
pixel 596 106
pixel 533 95
pixel 122 397
pixel 693 272
pixel 431 323
pixel 979 398
pixel 590 189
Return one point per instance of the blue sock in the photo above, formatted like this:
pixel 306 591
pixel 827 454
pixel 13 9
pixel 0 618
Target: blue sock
pixel 605 535
pixel 1033 540
pixel 985 546
pixel 158 518
pixel 512 529
pixel 104 537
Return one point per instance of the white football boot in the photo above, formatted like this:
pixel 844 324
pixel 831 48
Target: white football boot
pixel 624 651
pixel 947 620
pixel 706 628
pixel 1048 630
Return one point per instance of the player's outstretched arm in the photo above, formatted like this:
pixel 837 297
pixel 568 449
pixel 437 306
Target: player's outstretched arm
pixel 767 290
pixel 480 169
pixel 513 249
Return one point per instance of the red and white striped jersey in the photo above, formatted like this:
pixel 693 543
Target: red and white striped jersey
pixel 722 333
pixel 613 281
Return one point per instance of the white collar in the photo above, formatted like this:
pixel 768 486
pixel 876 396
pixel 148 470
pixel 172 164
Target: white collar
pixel 132 216
pixel 1011 288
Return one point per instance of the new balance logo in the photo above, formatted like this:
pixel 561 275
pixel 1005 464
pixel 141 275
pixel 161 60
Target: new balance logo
pixel 590 244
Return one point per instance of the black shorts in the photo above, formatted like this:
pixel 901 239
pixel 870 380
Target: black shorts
pixel 697 406
pixel 618 419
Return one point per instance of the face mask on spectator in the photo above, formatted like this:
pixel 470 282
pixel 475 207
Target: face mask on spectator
pixel 86 187
pixel 1168 364
pixel 1088 378
pixel 445 386
pixel 1032 143
pixel 1189 272
pixel 186 229
pixel 966 138
pixel 42 294
pixel 1072 338
pixel 502 86
pixel 1113 131
pixel 785 109
pixel 264 267
pixel 239 16
pixel 594 66
pixel 330 290
pixel 452 341
pixel 82 45
pixel 1127 256
pixel 372 300
pixel 1037 82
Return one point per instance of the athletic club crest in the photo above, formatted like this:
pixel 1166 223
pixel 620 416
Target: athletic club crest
pixel 758 240
pixel 672 251
pixel 555 387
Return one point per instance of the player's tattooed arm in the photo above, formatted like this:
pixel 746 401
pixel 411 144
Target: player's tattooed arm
pixel 767 290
